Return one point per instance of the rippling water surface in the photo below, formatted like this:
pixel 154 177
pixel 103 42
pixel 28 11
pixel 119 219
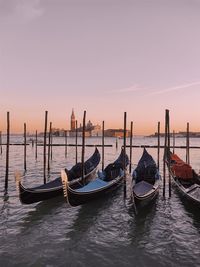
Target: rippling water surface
pixel 106 232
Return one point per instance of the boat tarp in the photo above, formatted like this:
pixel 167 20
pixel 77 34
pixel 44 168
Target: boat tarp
pixel 89 165
pixel 146 168
pixel 93 185
pixel 142 188
pixel 180 168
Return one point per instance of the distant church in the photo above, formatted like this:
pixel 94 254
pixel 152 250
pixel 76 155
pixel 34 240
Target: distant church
pixel 90 129
pixel 73 121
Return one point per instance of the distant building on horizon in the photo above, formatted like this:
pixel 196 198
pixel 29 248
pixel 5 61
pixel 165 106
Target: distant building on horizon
pixel 73 121
pixel 116 133
pixel 178 134
pixel 90 129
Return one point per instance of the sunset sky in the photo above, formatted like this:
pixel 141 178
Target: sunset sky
pixel 102 56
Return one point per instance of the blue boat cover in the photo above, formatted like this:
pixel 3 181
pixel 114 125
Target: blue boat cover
pixel 89 165
pixel 74 172
pixel 111 172
pixel 93 185
pixel 142 188
pixel 113 169
pixel 146 169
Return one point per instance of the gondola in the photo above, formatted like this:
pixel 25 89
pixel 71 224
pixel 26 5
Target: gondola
pixel 54 188
pixel 185 179
pixel 106 181
pixel 145 180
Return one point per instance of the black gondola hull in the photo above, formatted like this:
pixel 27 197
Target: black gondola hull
pixel 144 201
pixel 147 181
pixel 186 183
pixel 112 178
pixel 54 188
pixel 187 198
pixel 78 198
pixel 28 196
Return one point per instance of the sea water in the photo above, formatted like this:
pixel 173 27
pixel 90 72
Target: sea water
pixel 106 232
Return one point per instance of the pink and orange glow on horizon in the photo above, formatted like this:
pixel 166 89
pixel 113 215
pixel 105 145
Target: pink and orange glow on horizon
pixel 139 127
pixel 141 57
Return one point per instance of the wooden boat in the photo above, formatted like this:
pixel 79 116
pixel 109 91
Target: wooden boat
pixel 185 179
pixel 106 181
pixel 54 188
pixel 145 180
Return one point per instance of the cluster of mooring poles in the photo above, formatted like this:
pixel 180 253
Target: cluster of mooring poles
pixel 46 162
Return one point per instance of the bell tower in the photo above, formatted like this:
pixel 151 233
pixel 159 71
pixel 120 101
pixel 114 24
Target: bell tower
pixel 73 121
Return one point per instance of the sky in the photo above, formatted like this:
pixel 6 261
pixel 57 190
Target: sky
pixel 103 56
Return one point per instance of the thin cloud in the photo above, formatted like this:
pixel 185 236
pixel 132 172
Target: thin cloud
pixel 132 88
pixel 175 88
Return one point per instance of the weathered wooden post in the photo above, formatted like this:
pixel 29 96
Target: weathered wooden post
pixel 36 143
pixel 7 153
pixel 45 140
pixel 188 144
pixel 65 143
pixel 116 143
pixel 131 143
pixel 76 142
pixel 32 142
pixel 173 142
pixel 103 146
pixel 165 155
pixel 51 152
pixel 49 145
pixel 25 146
pixel 124 159
pixel 1 143
pixel 158 155
pixel 168 151
pixel 83 145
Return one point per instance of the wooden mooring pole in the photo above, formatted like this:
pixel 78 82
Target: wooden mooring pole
pixel 83 144
pixel 131 143
pixel 164 156
pixel 65 143
pixel 36 143
pixel 76 142
pixel 32 142
pixel 124 159
pixel 173 142
pixel 168 151
pixel 44 149
pixel 102 145
pixel 1 151
pixel 7 154
pixel 51 151
pixel 188 144
pixel 49 145
pixel 158 155
pixel 25 146
pixel 116 143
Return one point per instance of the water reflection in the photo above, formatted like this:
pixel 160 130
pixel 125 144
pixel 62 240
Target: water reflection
pixel 193 212
pixel 140 222
pixel 89 214
pixel 4 215
pixel 40 210
pixel 105 232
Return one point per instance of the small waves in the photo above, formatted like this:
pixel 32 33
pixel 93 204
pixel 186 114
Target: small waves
pixel 106 232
